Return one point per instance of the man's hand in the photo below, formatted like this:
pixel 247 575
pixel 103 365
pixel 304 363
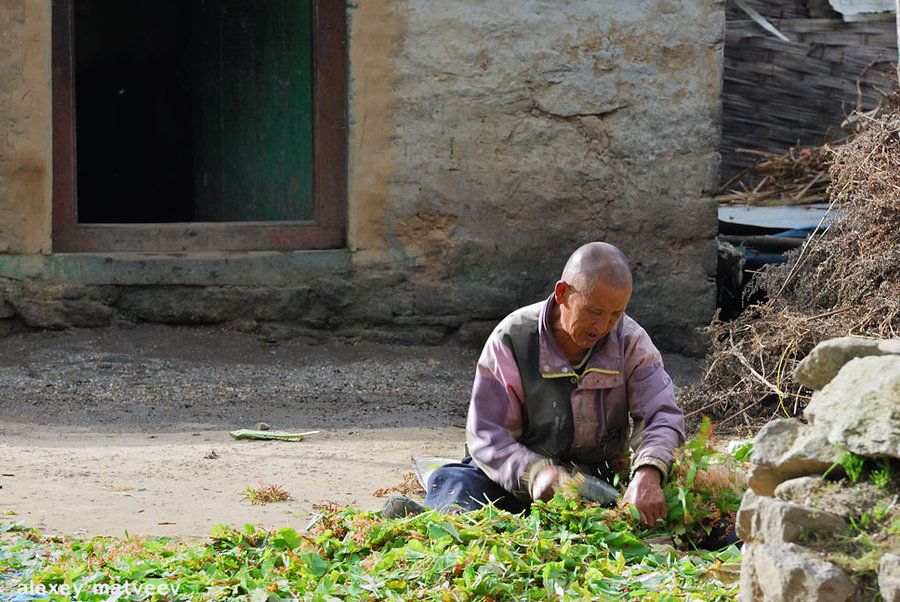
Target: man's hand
pixel 646 494
pixel 545 483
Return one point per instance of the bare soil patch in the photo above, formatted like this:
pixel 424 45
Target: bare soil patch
pixel 126 428
pixel 76 480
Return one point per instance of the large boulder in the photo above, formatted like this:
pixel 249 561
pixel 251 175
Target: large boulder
pixel 786 572
pixel 859 409
pixel 785 449
pixel 828 357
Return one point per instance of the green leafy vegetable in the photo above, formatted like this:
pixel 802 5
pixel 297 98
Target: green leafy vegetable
pixel 563 549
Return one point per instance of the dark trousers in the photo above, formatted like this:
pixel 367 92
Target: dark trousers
pixel 463 486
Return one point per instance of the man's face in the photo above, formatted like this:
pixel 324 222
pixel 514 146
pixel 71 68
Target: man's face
pixel 588 316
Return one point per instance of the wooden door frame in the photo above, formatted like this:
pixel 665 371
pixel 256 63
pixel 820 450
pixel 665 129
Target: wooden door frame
pixel 329 109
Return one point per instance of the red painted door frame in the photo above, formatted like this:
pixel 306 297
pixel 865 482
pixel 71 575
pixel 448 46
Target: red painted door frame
pixel 329 113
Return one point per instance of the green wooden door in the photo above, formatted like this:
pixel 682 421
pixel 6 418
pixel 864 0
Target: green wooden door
pixel 254 102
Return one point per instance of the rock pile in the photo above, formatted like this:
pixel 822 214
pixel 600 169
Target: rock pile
pixel 782 519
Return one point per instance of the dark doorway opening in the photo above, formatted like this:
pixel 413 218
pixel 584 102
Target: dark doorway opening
pixel 134 101
pixel 193 111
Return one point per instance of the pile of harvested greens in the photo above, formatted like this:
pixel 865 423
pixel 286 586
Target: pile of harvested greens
pixel 564 549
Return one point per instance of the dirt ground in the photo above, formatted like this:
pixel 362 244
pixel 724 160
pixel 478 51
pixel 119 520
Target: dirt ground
pixel 125 429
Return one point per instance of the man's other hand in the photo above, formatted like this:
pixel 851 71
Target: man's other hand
pixel 544 485
pixel 646 495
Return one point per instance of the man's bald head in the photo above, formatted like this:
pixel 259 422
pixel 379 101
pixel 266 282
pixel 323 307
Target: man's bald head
pixel 597 261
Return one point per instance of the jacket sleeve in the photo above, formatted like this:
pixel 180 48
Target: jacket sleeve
pixel 659 422
pixel 495 421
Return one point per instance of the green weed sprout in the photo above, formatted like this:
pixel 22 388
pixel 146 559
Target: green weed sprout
pixel 882 476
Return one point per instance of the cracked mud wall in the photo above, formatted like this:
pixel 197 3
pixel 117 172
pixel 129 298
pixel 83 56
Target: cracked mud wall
pixel 511 132
pixel 486 141
pixel 25 127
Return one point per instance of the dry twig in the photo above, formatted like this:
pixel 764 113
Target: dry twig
pixel 846 281
pixel 797 177
pixel 409 485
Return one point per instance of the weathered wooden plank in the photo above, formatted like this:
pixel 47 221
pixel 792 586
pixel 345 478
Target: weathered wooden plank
pixel 199 237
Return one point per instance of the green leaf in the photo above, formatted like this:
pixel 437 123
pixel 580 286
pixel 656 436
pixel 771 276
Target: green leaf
pixel 743 452
pixel 290 538
pixel 439 530
pixel 317 565
pixel 259 595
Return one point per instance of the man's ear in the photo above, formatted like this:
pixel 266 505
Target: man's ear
pixel 560 290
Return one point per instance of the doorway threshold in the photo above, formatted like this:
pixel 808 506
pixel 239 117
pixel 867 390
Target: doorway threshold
pixel 248 268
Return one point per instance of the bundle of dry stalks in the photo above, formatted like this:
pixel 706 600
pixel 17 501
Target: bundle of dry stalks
pixel 408 486
pixel 845 281
pixel 797 177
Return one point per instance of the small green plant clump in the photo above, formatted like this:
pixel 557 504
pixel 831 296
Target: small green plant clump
pixel 706 487
pixel 880 470
pixel 264 494
pixel 864 491
pixel 851 463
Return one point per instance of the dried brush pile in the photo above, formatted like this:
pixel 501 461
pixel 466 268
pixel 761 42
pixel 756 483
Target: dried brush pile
pixel 845 281
pixel 797 177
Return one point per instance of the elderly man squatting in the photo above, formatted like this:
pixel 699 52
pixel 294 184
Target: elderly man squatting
pixel 564 386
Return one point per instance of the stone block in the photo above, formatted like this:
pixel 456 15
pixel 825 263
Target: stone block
pixel 828 357
pixel 889 578
pixel 771 520
pixel 786 572
pixel 859 409
pixel 746 514
pixel 286 304
pixel 57 314
pixel 796 490
pixel 186 305
pixel 474 333
pixel 786 449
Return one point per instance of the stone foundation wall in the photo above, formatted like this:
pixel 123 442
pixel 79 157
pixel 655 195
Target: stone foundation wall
pixel 792 514
pixel 381 306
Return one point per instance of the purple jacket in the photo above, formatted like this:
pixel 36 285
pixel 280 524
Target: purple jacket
pixel 530 409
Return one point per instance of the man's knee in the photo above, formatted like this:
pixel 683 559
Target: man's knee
pixel 464 486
